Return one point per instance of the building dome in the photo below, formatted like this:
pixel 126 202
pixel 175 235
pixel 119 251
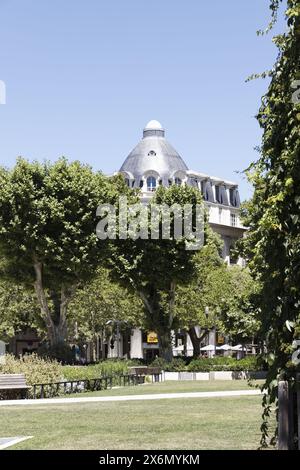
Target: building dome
pixel 153 155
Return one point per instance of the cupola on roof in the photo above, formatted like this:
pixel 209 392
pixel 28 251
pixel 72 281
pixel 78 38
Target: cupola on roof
pixel 153 153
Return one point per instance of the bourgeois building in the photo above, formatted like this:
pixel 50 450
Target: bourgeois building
pixel 153 162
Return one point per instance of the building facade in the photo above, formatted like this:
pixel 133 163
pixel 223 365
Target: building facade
pixel 154 162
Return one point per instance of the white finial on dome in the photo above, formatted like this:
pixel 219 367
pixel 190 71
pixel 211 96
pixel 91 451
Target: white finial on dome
pixel 154 128
pixel 154 125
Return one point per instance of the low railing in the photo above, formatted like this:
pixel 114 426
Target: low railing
pixel 66 387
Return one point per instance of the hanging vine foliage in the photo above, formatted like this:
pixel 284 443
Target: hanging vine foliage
pixel 272 245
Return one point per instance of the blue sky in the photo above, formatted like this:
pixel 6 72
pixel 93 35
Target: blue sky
pixel 84 77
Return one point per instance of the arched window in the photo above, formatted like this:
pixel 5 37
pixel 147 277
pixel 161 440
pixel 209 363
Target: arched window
pixel 151 183
pixel 127 181
pixel 178 181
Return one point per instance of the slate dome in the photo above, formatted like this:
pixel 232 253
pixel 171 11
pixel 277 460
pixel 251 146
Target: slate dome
pixel 153 154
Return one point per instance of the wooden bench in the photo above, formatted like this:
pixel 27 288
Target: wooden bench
pixel 142 371
pixel 10 382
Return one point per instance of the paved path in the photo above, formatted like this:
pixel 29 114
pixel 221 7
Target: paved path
pixel 11 441
pixel 156 396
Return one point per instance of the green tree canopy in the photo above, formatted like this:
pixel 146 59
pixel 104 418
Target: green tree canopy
pixel 19 310
pixel 48 231
pixel 238 312
pixel 100 301
pixel 154 268
pixel 206 289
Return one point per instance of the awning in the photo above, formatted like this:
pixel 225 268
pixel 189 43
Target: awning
pixel 210 347
pixel 225 347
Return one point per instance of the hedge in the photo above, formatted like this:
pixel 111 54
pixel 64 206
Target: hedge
pixel 108 368
pixel 249 363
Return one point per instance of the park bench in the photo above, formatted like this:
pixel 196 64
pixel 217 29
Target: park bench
pixel 142 371
pixel 13 382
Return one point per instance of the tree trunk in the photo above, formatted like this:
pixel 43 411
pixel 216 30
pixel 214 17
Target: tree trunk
pixel 196 341
pixel 185 343
pixel 62 323
pixel 102 345
pixel 161 321
pixel 56 326
pixel 165 333
pixel 45 311
pixel 165 345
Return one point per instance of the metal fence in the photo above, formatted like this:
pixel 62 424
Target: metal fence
pixel 54 389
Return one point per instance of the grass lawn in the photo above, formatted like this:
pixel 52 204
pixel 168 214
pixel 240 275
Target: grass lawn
pixel 206 423
pixel 174 387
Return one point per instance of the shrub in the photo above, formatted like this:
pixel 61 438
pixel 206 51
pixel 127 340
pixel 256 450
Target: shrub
pixel 159 362
pixel 108 368
pixel 36 369
pixel 249 363
pixel 199 365
pixel 176 365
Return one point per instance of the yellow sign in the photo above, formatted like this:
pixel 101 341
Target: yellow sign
pixel 220 339
pixel 152 337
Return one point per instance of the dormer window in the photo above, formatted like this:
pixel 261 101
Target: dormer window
pixel 206 187
pixel 203 184
pixel 234 197
pixel 217 188
pixel 178 181
pixel 221 195
pixel 152 153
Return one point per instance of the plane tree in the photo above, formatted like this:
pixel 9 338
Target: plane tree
pixel 48 232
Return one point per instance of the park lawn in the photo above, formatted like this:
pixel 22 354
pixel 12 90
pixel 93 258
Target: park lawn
pixel 205 423
pixel 175 387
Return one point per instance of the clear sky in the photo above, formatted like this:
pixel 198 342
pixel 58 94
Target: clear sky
pixel 83 77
